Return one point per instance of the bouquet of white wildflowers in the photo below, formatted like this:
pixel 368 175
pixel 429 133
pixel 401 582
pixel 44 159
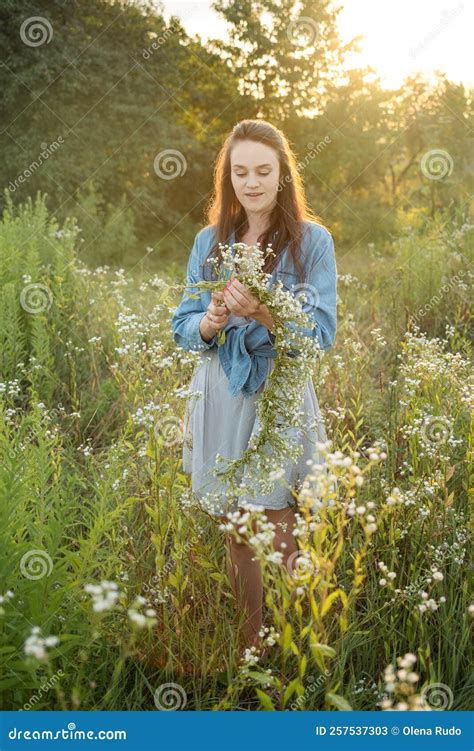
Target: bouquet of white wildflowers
pixel 279 408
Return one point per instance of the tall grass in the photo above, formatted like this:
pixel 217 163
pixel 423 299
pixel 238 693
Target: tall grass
pixel 92 392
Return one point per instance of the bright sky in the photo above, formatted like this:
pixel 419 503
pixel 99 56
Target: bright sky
pixel 400 36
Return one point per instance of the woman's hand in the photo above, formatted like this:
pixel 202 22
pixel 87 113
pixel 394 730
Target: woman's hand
pixel 239 300
pixel 216 317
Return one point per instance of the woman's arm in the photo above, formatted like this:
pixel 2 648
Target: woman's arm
pixel 206 329
pixel 320 290
pixel 186 321
pixel 264 317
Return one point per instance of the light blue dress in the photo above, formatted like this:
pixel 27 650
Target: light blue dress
pixel 218 422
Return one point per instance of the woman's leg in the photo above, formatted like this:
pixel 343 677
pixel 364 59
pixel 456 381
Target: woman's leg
pixel 284 521
pixel 245 576
pixel 244 570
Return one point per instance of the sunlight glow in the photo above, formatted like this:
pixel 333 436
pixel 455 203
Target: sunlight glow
pixel 399 38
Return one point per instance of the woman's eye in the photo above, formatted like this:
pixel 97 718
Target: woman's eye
pixel 242 174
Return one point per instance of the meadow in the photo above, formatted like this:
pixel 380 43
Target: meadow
pixel 113 592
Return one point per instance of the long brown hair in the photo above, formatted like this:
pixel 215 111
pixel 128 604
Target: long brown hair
pixel 226 213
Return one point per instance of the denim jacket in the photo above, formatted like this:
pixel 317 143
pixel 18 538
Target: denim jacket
pixel 247 348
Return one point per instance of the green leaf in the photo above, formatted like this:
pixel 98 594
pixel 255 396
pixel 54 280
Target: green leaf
pixel 305 631
pixel 217 577
pixel 330 599
pixel 287 633
pixel 325 649
pixel 265 700
pixel 294 649
pixel 263 678
pixel 302 666
pixel 335 700
pixel 295 686
pixel 320 651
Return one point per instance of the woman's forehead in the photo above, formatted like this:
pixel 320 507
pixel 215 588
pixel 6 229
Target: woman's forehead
pixel 252 154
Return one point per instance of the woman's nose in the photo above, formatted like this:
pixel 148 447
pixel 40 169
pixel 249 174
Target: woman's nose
pixel 252 182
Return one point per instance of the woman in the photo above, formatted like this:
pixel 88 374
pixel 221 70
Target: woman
pixel 258 198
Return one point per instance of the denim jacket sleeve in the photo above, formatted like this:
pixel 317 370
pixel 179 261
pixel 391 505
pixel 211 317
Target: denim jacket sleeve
pixel 318 294
pixel 187 316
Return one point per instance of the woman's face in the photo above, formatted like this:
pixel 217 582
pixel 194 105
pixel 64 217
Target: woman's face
pixel 255 169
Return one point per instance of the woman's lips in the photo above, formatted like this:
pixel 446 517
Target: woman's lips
pixel 249 195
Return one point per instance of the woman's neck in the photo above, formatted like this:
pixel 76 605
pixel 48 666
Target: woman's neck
pixel 252 233
pixel 257 224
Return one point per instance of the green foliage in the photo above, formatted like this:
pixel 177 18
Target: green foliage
pixel 91 384
pixel 91 490
pixel 108 113
pixel 45 311
pixel 107 231
pixel 103 99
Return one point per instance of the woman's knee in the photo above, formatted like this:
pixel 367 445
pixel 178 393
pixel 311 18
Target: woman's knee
pixel 241 532
pixel 240 548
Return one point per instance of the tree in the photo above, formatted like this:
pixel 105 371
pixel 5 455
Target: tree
pixel 283 52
